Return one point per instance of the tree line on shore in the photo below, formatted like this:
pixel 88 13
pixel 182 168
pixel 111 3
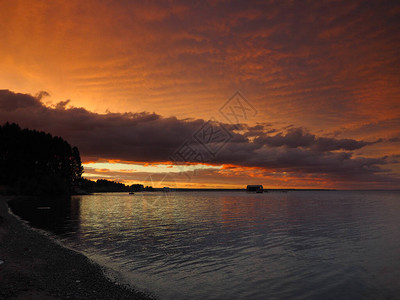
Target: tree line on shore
pixel 103 185
pixel 36 163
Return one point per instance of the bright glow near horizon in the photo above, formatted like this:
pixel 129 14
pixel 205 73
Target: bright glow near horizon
pixel 147 168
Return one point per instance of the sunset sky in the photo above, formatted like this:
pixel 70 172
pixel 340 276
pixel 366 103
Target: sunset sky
pixel 216 94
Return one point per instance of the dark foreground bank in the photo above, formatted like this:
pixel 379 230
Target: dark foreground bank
pixel 32 266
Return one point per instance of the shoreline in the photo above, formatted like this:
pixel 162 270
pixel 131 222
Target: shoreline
pixel 36 267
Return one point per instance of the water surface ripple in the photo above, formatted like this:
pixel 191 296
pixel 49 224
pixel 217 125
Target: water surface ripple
pixel 233 245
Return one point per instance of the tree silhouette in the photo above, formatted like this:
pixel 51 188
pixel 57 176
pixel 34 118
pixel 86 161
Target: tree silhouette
pixel 36 163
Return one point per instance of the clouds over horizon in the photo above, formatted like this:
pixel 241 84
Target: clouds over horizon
pixel 336 61
pixel 260 150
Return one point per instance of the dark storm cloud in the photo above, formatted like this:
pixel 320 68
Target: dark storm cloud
pixel 130 136
pixel 10 102
pixel 145 137
pixel 298 137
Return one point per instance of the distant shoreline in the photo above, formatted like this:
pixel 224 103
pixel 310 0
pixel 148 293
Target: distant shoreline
pixel 35 267
pixel 240 190
pixel 207 190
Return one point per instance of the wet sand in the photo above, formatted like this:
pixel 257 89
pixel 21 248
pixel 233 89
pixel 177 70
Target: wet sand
pixel 35 267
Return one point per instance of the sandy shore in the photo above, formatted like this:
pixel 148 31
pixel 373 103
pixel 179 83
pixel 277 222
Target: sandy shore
pixel 32 266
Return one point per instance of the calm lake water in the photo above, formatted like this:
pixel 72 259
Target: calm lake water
pixel 234 245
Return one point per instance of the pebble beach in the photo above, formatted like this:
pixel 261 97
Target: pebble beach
pixel 33 266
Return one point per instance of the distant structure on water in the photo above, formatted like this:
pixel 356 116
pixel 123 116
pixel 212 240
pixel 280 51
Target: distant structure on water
pixel 255 188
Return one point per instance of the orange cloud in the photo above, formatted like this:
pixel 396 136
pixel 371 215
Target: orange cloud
pixel 330 66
